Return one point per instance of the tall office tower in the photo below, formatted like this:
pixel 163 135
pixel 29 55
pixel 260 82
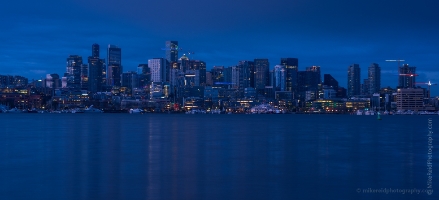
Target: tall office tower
pixel 228 74
pixel 374 72
pixel 308 81
pixel 129 80
pixel 73 71
pixel 209 80
pixel 84 76
pixel 406 80
pixel 95 70
pixel 261 73
pixel 199 66
pixel 291 67
pixel 95 50
pixel 236 78
pixel 52 81
pixel 217 74
pixel 247 74
pixel 158 69
pixel 114 65
pixel 280 78
pixel 184 63
pixel 365 87
pixel 316 78
pixel 330 81
pixel 172 51
pixel 144 75
pixel 354 80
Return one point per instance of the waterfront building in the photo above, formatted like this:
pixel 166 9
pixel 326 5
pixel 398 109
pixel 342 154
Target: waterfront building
pixel 410 99
pixel 95 70
pixel 354 86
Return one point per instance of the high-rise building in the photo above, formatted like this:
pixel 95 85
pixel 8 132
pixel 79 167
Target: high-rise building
pixel 374 73
pixel 261 73
pixel 410 99
pixel 354 85
pixel 144 75
pixel 158 69
pixel 280 75
pixel 84 76
pixel 129 80
pixel 171 51
pixel 199 66
pixel 291 67
pixel 73 71
pixel 236 78
pixel 308 82
pixel 217 74
pixel 365 87
pixel 247 73
pixel 95 50
pixel 114 65
pixel 95 70
pixel 330 81
pixel 406 77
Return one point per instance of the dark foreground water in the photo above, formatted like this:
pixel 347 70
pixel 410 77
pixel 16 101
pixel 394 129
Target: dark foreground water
pixel 122 156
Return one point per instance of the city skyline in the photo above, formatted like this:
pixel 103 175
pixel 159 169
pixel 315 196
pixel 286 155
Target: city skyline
pixel 39 36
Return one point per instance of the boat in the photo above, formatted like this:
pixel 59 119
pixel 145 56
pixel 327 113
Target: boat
pixel 359 112
pixel 14 110
pixel 92 109
pixel 136 111
pixel 77 110
pixel 33 110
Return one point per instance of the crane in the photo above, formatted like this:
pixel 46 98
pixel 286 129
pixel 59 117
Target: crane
pixel 429 86
pixel 409 74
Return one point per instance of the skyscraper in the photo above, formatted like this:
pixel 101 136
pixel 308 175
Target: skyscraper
pixel 199 66
pixel 158 69
pixel 354 85
pixel 280 74
pixel 95 72
pixel 247 73
pixel 406 77
pixel 291 67
pixel 114 65
pixel 84 76
pixel 217 74
pixel 261 73
pixel 330 81
pixel 374 78
pixel 73 71
pixel 172 51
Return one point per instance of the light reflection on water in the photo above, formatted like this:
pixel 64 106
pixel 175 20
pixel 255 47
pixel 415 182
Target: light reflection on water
pixel 121 156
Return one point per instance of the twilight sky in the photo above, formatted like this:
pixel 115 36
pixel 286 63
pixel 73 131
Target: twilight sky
pixel 38 36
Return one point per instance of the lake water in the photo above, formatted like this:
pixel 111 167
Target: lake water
pixel 177 156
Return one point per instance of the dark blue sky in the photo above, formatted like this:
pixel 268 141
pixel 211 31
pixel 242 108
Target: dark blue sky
pixel 37 36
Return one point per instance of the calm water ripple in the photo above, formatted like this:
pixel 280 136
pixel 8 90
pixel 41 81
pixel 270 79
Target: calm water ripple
pixel 122 156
